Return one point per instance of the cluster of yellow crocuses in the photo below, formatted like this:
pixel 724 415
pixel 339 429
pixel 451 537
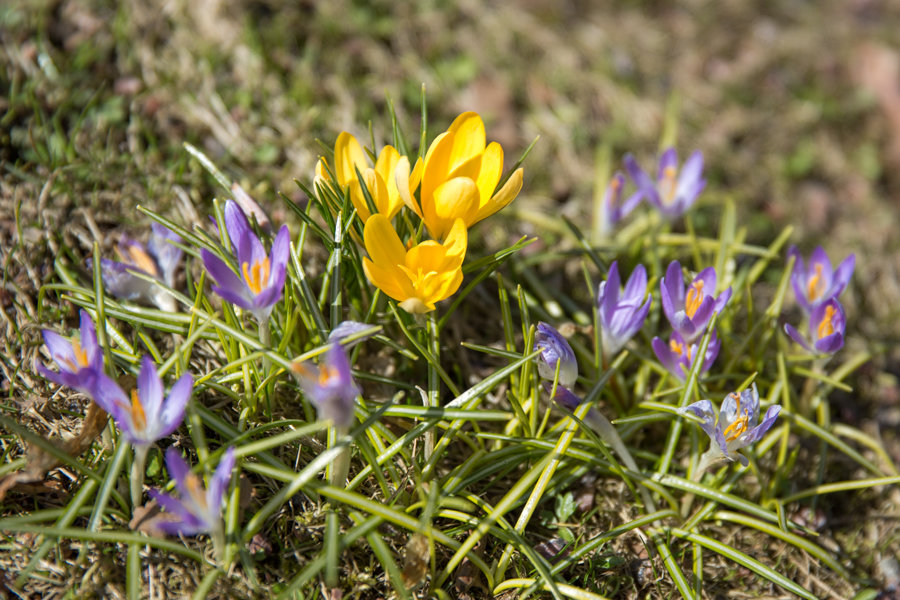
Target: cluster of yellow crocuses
pixel 450 190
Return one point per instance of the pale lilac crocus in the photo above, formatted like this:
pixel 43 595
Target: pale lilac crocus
pixel 158 260
pixel 80 358
pixel 260 284
pixel 622 314
pixel 330 386
pixel 555 349
pixel 146 417
pixel 827 323
pixel 198 510
pixel 735 426
pixel 818 283
pixel 672 193
pixel 613 208
pixel 689 313
pixel 678 356
pixel 352 331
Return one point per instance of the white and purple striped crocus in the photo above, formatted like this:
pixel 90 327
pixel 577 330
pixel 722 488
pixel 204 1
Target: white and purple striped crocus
pixel 678 356
pixel 198 510
pixel 330 387
pixel 159 260
pixel 735 426
pixel 672 193
pixel 260 282
pixel 622 314
pixel 80 358
pixel 689 312
pixel 818 282
pixel 613 208
pixel 827 323
pixel 555 349
pixel 146 417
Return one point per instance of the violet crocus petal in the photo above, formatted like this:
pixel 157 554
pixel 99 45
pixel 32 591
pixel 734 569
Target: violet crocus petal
pixel 119 280
pixel 668 159
pixel 708 277
pixel 704 410
pixel 692 172
pixel 346 329
pixel 60 349
pixel 671 290
pixel 642 180
pixel 712 352
pixel 219 482
pixel 665 355
pixel 842 276
pixel 796 336
pixel 685 326
pixel 188 523
pixel 555 349
pixel 88 337
pixel 178 470
pixel 798 278
pixel 150 389
pixel 631 203
pixel 609 293
pixel 764 426
pixel 167 255
pixel 700 319
pixel 107 394
pixel 230 287
pixel 830 343
pixel 722 299
pixel 636 287
pixel 237 226
pixel 175 406
pixel 564 396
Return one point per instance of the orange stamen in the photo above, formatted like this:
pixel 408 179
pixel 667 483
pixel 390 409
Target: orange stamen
pixel 694 298
pixel 326 374
pixel 195 489
pixel 814 287
pixel 739 425
pixel 676 347
pixel 142 260
pixel 826 325
pixel 256 276
pixel 81 357
pixel 138 416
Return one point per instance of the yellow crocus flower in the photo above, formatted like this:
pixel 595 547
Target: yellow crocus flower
pixel 458 178
pixel 419 276
pixel 380 181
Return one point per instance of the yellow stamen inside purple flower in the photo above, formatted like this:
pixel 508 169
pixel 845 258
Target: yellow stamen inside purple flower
pixel 815 285
pixel 614 187
pixel 195 489
pixel 139 258
pixel 257 276
pixel 81 357
pixel 679 349
pixel 826 325
pixel 740 423
pixel 138 416
pixel 326 374
pixel 668 186
pixel 694 298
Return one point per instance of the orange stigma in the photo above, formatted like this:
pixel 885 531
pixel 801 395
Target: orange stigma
pixel 138 417
pixel 694 298
pixel 826 325
pixel 256 276
pixel 814 287
pixel 81 357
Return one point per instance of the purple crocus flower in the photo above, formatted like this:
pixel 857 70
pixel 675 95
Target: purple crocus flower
pixel 198 510
pixel 555 349
pixel 80 359
pixel 159 260
pixel 678 355
pixel 816 284
pixel 261 282
pixel 146 417
pixel 622 314
pixel 352 329
pixel 614 209
pixel 736 424
pixel 827 323
pixel 330 387
pixel 672 193
pixel 690 313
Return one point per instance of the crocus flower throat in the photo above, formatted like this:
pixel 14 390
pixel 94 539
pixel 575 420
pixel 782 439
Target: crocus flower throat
pixel 816 285
pixel 257 275
pixel 139 258
pixel 826 325
pixel 740 423
pixel 668 184
pixel 138 416
pixel 694 298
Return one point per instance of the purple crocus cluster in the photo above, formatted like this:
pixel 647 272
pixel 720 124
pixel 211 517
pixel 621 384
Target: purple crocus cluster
pixel 689 310
pixel 158 260
pixel 817 287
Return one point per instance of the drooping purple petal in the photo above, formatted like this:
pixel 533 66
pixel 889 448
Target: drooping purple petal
pixel 220 479
pixel 555 349
pixel 173 411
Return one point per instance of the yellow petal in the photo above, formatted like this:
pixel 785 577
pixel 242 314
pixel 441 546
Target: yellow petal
pixel 392 282
pixel 507 194
pixel 348 156
pixel 404 184
pixel 456 242
pixel 491 170
pixel 357 196
pixel 455 199
pixel 416 306
pixel 468 138
pixel 382 242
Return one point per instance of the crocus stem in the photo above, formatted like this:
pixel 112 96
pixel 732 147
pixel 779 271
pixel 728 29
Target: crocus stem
pixel 137 474
pixel 218 539
pixel 337 471
pixel 608 434
pixel 707 460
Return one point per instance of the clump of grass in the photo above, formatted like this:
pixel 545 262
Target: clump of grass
pixel 455 474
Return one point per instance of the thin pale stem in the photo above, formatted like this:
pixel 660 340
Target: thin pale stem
pixel 137 474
